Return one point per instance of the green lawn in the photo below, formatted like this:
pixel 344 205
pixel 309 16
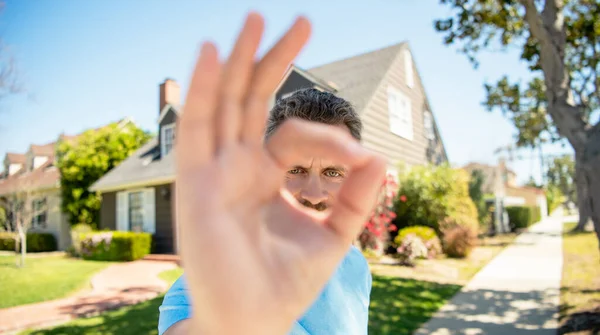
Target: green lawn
pixel 140 319
pixel 43 278
pixel 399 303
pixel 170 276
pixel 399 306
pixel 580 287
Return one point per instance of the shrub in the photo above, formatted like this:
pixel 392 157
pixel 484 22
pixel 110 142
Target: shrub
pixel 77 232
pixel 426 234
pixel 459 241
pixel 429 194
pixel 411 248
pixel 536 214
pixel 379 223
pixel 7 241
pixel 41 242
pixel 115 245
pixel 36 242
pixel 519 216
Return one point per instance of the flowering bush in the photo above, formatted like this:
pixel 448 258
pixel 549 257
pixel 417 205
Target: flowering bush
pixel 379 223
pixel 411 248
pixel 426 234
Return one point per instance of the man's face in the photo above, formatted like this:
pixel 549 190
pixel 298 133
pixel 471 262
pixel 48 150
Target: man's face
pixel 316 181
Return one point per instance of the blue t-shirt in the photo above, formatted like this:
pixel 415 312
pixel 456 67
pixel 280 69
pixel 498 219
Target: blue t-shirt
pixel 341 308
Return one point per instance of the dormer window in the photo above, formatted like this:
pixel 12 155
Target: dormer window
pixel 167 138
pixel 39 161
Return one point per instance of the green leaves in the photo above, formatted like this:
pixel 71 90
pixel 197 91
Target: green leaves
pixel 86 159
pixel 477 25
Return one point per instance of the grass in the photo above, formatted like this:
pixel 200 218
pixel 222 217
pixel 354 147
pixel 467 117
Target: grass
pixel 580 287
pixel 170 276
pixel 43 278
pixel 450 270
pixel 399 304
pixel 131 320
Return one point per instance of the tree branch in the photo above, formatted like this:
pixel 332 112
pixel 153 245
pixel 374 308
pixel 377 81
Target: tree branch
pixel 567 116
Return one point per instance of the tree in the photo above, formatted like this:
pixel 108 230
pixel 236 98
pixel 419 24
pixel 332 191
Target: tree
pixel 561 174
pixel 22 207
pixel 83 161
pixel 476 194
pixel 560 41
pixel 9 77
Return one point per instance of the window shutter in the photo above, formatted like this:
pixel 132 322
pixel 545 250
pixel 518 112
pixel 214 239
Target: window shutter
pixel 122 211
pixel 149 211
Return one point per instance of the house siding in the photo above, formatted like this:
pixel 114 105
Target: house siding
pixel 56 220
pixel 163 239
pixel 377 135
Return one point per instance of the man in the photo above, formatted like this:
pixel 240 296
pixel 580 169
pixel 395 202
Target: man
pixel 343 306
pixel 255 258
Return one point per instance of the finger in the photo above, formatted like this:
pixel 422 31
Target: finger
pixel 267 76
pixel 356 199
pixel 296 140
pixel 236 77
pixel 196 126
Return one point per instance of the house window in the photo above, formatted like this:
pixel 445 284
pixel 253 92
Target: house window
pixel 136 211
pixel 428 125
pixel 39 213
pixel 167 138
pixel 408 69
pixel 400 114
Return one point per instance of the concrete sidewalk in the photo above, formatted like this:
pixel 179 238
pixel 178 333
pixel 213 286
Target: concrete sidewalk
pixel 516 293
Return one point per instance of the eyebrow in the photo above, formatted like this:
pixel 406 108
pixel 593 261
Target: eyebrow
pixel 336 167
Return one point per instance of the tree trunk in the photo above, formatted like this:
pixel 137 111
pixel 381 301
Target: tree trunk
pixel 591 175
pixel 23 238
pixel 583 193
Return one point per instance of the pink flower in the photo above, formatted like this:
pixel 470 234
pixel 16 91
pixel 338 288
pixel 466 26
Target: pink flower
pixel 403 198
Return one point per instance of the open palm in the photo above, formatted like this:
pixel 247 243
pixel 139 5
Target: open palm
pixel 254 258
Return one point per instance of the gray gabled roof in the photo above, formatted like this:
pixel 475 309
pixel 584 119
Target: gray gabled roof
pixel 357 78
pixel 145 166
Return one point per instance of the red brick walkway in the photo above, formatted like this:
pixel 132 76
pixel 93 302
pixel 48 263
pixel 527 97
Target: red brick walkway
pixel 116 286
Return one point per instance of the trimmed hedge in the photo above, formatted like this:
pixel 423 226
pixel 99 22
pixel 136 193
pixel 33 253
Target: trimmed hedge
pixel 115 245
pixel 536 214
pixel 36 242
pixel 7 241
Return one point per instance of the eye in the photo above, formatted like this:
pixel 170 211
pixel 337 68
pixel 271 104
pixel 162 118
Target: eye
pixel 333 174
pixel 296 171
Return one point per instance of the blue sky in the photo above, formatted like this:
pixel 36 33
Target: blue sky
pixel 86 63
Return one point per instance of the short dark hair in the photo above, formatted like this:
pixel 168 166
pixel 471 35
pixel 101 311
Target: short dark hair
pixel 313 105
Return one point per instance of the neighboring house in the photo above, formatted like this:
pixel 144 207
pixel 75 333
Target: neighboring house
pixel 383 85
pixel 35 172
pixel 500 186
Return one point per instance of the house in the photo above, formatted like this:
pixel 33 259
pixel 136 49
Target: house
pixel 500 187
pixel 33 176
pixel 383 85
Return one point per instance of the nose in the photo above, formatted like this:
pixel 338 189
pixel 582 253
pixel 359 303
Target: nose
pixel 313 191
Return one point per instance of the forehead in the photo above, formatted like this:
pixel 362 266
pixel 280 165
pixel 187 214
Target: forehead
pixel 322 161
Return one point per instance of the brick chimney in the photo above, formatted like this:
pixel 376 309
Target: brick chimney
pixel 169 93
